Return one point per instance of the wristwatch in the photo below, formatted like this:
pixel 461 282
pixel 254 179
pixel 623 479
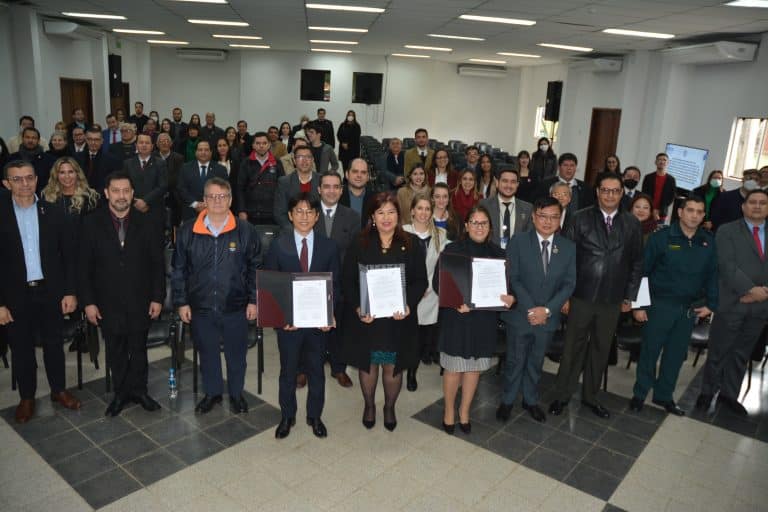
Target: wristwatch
pixel 549 313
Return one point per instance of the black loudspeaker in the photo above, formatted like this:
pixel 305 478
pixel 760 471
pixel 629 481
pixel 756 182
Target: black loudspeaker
pixel 366 88
pixel 115 75
pixel 552 108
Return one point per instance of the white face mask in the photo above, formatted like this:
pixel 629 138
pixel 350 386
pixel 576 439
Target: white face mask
pixel 350 118
pixel 751 185
pixel 715 182
pixel 544 147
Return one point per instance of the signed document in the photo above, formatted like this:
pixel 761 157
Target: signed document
pixel 489 282
pixel 386 295
pixel 310 303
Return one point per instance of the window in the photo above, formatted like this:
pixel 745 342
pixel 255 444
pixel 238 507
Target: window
pixel 748 147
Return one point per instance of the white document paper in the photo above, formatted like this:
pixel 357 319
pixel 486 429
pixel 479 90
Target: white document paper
pixel 489 282
pixel 310 303
pixel 385 291
pixel 643 295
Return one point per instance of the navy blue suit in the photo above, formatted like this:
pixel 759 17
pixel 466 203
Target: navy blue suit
pixel 190 184
pixel 305 345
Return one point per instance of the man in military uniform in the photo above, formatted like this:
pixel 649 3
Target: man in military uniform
pixel 680 263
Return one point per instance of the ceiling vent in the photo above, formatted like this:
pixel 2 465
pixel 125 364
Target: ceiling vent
pixel 483 71
pixel 69 29
pixel 719 52
pixel 201 54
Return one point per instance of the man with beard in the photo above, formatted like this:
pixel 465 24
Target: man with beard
pixel 31 151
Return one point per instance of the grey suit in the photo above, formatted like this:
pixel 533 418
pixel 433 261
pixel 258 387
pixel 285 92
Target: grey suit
pixel 345 226
pixel 328 160
pixel 736 326
pixel 190 184
pixel 287 187
pixel 522 212
pixel 527 344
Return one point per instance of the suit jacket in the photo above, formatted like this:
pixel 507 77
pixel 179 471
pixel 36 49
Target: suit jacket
pixel 57 254
pixel 344 228
pixel 626 201
pixel 178 131
pixel 667 192
pixel 726 207
pixel 396 167
pixel 123 151
pixel 327 134
pixel 739 268
pixel 107 136
pixel 522 212
pixel 345 201
pixel 583 193
pixel 328 160
pixel 139 121
pixel 104 163
pixel 42 162
pixel 531 287
pixel 288 187
pixel 151 183
pixel 121 281
pixel 211 135
pixel 190 184
pixel 412 158
pixel 173 163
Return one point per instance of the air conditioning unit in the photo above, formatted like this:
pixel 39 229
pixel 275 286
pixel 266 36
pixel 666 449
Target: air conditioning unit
pixel 719 52
pixel 201 54
pixel 483 71
pixel 70 30
pixel 601 65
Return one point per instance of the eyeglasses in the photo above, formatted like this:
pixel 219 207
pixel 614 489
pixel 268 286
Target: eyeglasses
pixel 610 191
pixel 553 218
pixel 479 224
pixel 303 213
pixel 30 178
pixel 217 197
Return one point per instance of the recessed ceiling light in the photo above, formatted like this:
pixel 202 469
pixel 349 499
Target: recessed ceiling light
pixel 330 50
pixel 565 47
pixel 353 8
pixel 256 46
pixel 463 38
pixel 166 41
pixel 94 16
pixel 429 48
pixel 219 22
pixel 132 31
pixel 331 41
pixel 229 36
pixel 488 61
pixel 204 1
pixel 339 29
pixel 495 19
pixel 411 55
pixel 513 54
pixel 748 3
pixel 637 33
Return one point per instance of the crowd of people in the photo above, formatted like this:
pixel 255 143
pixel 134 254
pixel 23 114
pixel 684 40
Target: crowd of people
pixel 88 215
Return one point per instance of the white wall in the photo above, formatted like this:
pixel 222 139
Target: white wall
pixel 9 114
pixel 135 69
pixel 533 94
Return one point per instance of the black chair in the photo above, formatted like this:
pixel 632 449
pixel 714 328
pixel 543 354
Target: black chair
pixel 629 337
pixel 700 338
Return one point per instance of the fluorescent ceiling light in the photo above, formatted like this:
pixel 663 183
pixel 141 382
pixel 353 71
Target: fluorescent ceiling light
pixel 132 31
pixel 229 36
pixel 565 47
pixel 166 41
pixel 488 61
pixel 463 38
pixel 330 50
pixel 411 55
pixel 748 3
pixel 94 16
pixel 429 48
pixel 353 8
pixel 339 29
pixel 637 33
pixel 331 41
pixel 495 19
pixel 513 54
pixel 256 46
pixel 219 22
pixel 203 1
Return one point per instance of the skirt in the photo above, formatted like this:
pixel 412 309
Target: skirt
pixel 459 364
pixel 382 357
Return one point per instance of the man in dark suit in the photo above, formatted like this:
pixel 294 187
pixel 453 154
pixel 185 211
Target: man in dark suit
pixel 121 278
pixel 303 180
pixel 174 162
pixel 727 206
pixel 38 253
pixel 209 131
pixel 178 126
pixel 583 195
pixel 609 248
pixel 743 308
pixel 193 177
pixel 78 121
pixel 31 151
pixel 139 118
pixel 96 162
pixel 149 177
pixel 126 148
pixel 355 194
pixel 328 135
pixel 630 179
pixel 244 139
pixel 77 144
pixel 542 275
pixel 302 250
pixel 396 161
pixel 111 135
pixel 509 215
pixel 661 186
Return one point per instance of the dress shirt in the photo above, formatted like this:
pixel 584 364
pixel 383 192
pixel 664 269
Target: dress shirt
pixel 502 209
pixel 29 229
pixel 215 230
pixel 760 231
pixel 549 239
pixel 630 193
pixel 441 178
pixel 612 215
pixel 325 207
pixel 310 244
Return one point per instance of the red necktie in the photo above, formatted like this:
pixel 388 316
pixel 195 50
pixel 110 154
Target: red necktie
pixel 756 236
pixel 304 256
pixel 114 137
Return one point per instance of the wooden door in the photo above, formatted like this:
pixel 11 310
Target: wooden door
pixel 76 94
pixel 603 137
pixel 122 101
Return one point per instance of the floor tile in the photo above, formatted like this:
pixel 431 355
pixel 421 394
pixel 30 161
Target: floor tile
pixel 194 448
pixel 83 466
pixel 107 487
pixel 629 425
pixel 56 448
pixel 592 481
pixel 622 443
pixel 584 428
pixel 613 508
pixel 567 445
pixel 549 463
pixel 41 428
pixel 609 462
pixel 509 446
pixel 169 430
pixel 106 429
pixel 528 430
pixel 154 466
pixel 231 432
pixel 129 447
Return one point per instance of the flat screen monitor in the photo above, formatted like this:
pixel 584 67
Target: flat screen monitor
pixel 366 88
pixel 686 164
pixel 315 85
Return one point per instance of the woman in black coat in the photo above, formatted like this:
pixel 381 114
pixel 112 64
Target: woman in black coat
pixel 543 161
pixel 391 343
pixel 349 139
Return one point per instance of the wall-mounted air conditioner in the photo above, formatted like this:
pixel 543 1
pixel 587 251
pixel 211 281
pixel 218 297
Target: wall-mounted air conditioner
pixel 602 65
pixel 201 54
pixel 483 71
pixel 719 52
pixel 70 30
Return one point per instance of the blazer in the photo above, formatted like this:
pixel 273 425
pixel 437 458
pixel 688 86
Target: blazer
pixel 667 193
pixel 429 303
pixel 531 287
pixel 173 163
pixel 344 228
pixel 328 160
pixel 344 201
pixel 412 158
pixel 287 187
pixel 523 213
pixel 725 208
pixel 151 183
pixel 396 167
pixel 190 185
pixel 107 136
pixel 121 281
pixel 57 254
pixel 739 268
pixel 583 195
pixel 103 164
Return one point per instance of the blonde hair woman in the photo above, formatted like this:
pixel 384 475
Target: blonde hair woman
pixel 69 188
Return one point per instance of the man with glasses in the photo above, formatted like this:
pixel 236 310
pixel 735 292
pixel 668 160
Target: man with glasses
pixel 96 162
pixel 609 248
pixel 582 194
pixel 305 179
pixel 509 215
pixel 126 148
pixel 214 289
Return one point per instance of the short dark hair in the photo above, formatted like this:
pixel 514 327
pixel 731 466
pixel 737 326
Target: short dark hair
pixel 510 169
pixel 312 126
pixel 94 130
pixel 330 174
pixel 30 129
pixel 565 157
pixel 692 198
pixel 201 141
pixel 117 175
pixel 308 197
pixel 302 148
pixel 661 154
pixel 78 128
pixel 419 130
pixel 26 118
pixel 138 103
pixel 78 108
pixel 756 191
pixel 606 176
pixel 632 168
pixel 259 134
pixel 273 127
pixel 244 122
pixel 110 115
pixel 15 164
pixel 546 202
pixel 321 109
pixel 471 148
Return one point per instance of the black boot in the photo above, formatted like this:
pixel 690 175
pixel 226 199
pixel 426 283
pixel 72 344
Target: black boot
pixel 411 384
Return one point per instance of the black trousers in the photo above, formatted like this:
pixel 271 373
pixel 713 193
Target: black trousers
pixel 305 347
pixel 38 317
pixel 127 359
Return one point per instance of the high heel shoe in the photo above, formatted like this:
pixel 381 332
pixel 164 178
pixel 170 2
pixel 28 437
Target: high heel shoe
pixel 369 423
pixel 465 427
pixel 390 425
pixel 449 429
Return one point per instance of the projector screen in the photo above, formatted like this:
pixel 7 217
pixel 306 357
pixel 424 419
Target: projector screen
pixel 686 164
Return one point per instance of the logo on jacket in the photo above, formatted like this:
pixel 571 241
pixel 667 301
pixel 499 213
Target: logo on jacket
pixel 232 246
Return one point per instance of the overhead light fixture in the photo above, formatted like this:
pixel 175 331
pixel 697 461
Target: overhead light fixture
pixel 488 61
pixel 229 36
pixel 566 47
pixel 525 55
pixel 330 50
pixel 94 16
pixel 352 8
pixel 637 33
pixel 132 31
pixel 166 41
pixel 748 3
pixel 203 1
pixel 339 29
pixel 495 19
pixel 411 55
pixel 462 38
pixel 331 41
pixel 254 46
pixel 428 48
pixel 219 22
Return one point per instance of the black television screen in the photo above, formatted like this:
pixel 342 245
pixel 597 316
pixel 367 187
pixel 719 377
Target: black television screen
pixel 315 85
pixel 366 88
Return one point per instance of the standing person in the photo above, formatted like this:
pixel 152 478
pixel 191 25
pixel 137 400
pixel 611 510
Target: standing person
pixel 582 196
pixel 178 128
pixel 442 170
pixel 323 154
pixel 485 177
pixel 244 139
pixel 204 261
pixel 680 263
pixel 126 148
pixel 300 127
pixel 472 154
pixel 642 209
pixel 173 162
pixel 466 196
pixel 58 147
pixel 433 241
pixel 727 207
pixel 68 188
pixel 121 283
pixel 276 145
pixel 542 275
pixel 709 191
pixel 527 187
pixel 193 177
pixel 420 153
pixel 630 179
pixel 285 135
pixel 209 131
pixel 189 146
pixel 37 249
pixel 562 192
pixel 301 250
pixel 349 139
pixel 78 121
pixel 660 185
pixel 510 215
pixel 443 214
pixel 543 161
pixel 389 343
pixel 609 251
pixel 355 194
pixel 96 162
pixel 31 151
pixel 257 183
pixel 417 184
pixel 305 179
pixel 15 142
pixel 325 128
pixel 77 144
pixel 396 160
pixel 139 118
pixel 228 161
pixel 235 149
pixel 612 164
pixel 743 303
pixel 288 162
pixel 149 178
pixel 111 135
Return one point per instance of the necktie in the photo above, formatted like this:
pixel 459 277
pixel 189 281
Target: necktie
pixel 143 164
pixel 114 137
pixel 202 172
pixel 328 222
pixel 90 164
pixel 423 156
pixel 507 222
pixel 608 224
pixel 756 236
pixel 545 255
pixel 304 256
pixel 121 231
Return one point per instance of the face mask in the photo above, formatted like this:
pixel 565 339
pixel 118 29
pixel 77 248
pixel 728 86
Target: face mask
pixel 630 183
pixel 350 118
pixel 751 185
pixel 303 123
pixel 544 147
pixel 155 118
pixel 715 183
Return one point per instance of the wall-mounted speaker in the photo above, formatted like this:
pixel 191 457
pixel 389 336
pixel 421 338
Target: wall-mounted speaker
pixel 552 108
pixel 115 75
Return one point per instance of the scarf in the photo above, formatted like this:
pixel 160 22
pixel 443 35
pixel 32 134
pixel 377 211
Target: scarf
pixel 463 202
pixel 270 161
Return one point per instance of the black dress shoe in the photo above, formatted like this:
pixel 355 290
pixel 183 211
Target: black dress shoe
pixel 116 406
pixel 670 406
pixel 318 428
pixel 206 404
pixel 733 405
pixel 284 428
pixel 449 429
pixel 466 427
pixel 504 412
pixel 703 401
pixel 146 402
pixel 597 409
pixel 369 423
pixel 411 384
pixel 390 421
pixel 556 407
pixel 238 404
pixel 636 404
pixel 535 412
